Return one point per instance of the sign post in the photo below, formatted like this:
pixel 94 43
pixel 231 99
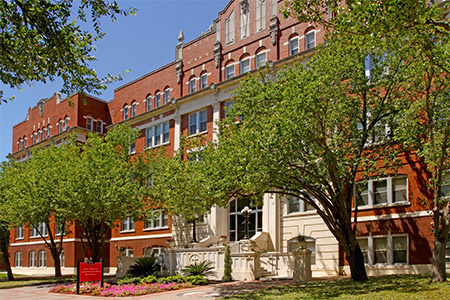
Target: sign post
pixel 89 271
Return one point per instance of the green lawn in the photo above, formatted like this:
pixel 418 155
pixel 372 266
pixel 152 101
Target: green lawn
pixel 20 282
pixel 4 275
pixel 397 287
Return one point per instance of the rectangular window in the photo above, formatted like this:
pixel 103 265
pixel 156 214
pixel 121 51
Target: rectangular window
pixel 89 125
pixel 245 66
pixel 261 59
pixel 62 259
pixel 157 100
pixel 229 29
pixel 390 249
pixel 204 81
pixel 33 139
pixel 18 259
pixel 127 224
pixel 40 228
pixel 60 227
pixel 25 141
pixel 310 40
pixel 37 137
pixel 228 104
pixel 166 96
pixel 157 135
pixel 66 124
pixel 99 126
pixel 42 259
pixel 229 71
pixel 445 185
pixel 260 15
pixel 19 232
pixel 129 252
pixel 159 219
pixel 293 46
pixel 192 85
pixel 296 205
pixel 149 103
pixel 198 122
pixel 389 190
pixel 132 148
pixel 125 113
pixel 364 245
pixel 400 244
pixel 32 259
pixel 380 250
pixel 59 126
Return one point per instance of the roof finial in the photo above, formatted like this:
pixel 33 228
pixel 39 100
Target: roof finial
pixel 181 37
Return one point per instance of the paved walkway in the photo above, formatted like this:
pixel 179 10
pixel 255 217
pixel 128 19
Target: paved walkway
pixel 213 291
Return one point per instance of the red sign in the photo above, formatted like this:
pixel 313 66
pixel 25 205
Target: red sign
pixel 90 272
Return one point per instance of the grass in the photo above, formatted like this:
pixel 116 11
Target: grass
pixel 27 281
pixel 396 287
pixel 4 275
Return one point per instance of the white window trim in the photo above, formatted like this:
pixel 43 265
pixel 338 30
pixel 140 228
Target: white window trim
pixel 192 85
pixel 298 45
pixel 205 75
pixel 34 260
pixel 32 229
pixel 390 193
pixel 129 219
pixel 16 265
pixel 22 231
pixel 389 246
pixel 256 59
pixel 160 219
pixel 153 129
pixel 241 62
pixel 313 32
pixel 226 71
pixel 44 254
pixel 198 132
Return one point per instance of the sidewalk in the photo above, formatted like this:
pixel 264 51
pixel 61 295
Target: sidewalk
pixel 213 291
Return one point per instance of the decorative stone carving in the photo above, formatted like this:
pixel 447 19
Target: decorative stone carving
pixel 41 107
pixel 274 29
pixel 217 53
pixel 179 70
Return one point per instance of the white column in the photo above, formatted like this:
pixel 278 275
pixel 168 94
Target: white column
pixel 177 132
pixel 216 119
pixel 271 219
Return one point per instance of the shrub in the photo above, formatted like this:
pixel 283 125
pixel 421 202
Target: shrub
pixel 204 269
pixel 129 279
pixel 149 279
pixel 227 261
pixel 144 266
pixel 172 279
pixel 196 280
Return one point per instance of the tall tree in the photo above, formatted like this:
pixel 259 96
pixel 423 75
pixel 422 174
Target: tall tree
pixel 424 125
pixel 40 40
pixel 103 187
pixel 4 225
pixel 36 194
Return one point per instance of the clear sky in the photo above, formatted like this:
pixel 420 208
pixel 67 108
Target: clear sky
pixel 138 43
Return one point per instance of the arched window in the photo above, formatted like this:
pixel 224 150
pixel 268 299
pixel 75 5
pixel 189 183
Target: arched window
pixel 261 57
pixel 203 80
pixel 66 123
pixel 310 38
pixel 244 64
pixel 42 259
pixel 157 99
pixel 166 95
pixel 148 100
pixel 293 44
pixel 18 259
pixel 19 143
pixel 125 112
pixel 229 70
pixel 25 140
pixel 62 259
pixel 133 108
pixel 192 84
pixel 32 258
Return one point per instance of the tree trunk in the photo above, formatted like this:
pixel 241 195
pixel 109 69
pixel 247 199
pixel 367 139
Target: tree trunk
pixel 4 245
pixel 355 260
pixel 438 259
pixel 57 263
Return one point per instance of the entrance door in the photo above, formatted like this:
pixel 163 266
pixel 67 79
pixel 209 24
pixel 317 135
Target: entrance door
pixel 236 221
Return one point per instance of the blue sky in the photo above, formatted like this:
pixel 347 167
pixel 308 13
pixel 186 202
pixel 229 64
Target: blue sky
pixel 138 43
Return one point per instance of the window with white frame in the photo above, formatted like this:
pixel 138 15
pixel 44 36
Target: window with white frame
pixel 41 227
pixel 127 224
pixel 149 103
pixel 18 259
pixel 125 112
pixel 261 59
pixel 388 190
pixel 157 135
pixel 32 259
pixel 33 139
pixel 59 127
pixel 19 232
pixel 42 259
pixel 204 81
pixel 166 96
pixel 133 109
pixel 227 106
pixel 192 85
pixel 387 249
pixel 244 65
pixel 45 133
pixel 310 39
pixel 19 143
pixel 129 252
pixel 62 259
pixel 296 205
pixel 132 149
pixel 229 71
pixel 236 219
pixel 157 100
pixel 159 219
pixel 445 185
pixel 66 124
pixel 307 242
pixel 41 133
pixel 293 46
pixel 229 29
pixel 25 140
pixel 89 124
pixel 197 122
pixel 99 126
pixel 260 15
pixel 37 137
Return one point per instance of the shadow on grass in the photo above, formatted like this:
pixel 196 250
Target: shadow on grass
pixel 382 287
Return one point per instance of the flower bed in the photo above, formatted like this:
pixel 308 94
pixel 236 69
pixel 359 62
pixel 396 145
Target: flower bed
pixel 109 290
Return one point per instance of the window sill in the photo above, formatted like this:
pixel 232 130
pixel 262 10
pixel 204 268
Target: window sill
pixel 18 239
pixel 157 146
pixel 37 237
pixel 127 231
pixel 197 134
pixel 156 228
pixel 300 214
pixel 375 206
